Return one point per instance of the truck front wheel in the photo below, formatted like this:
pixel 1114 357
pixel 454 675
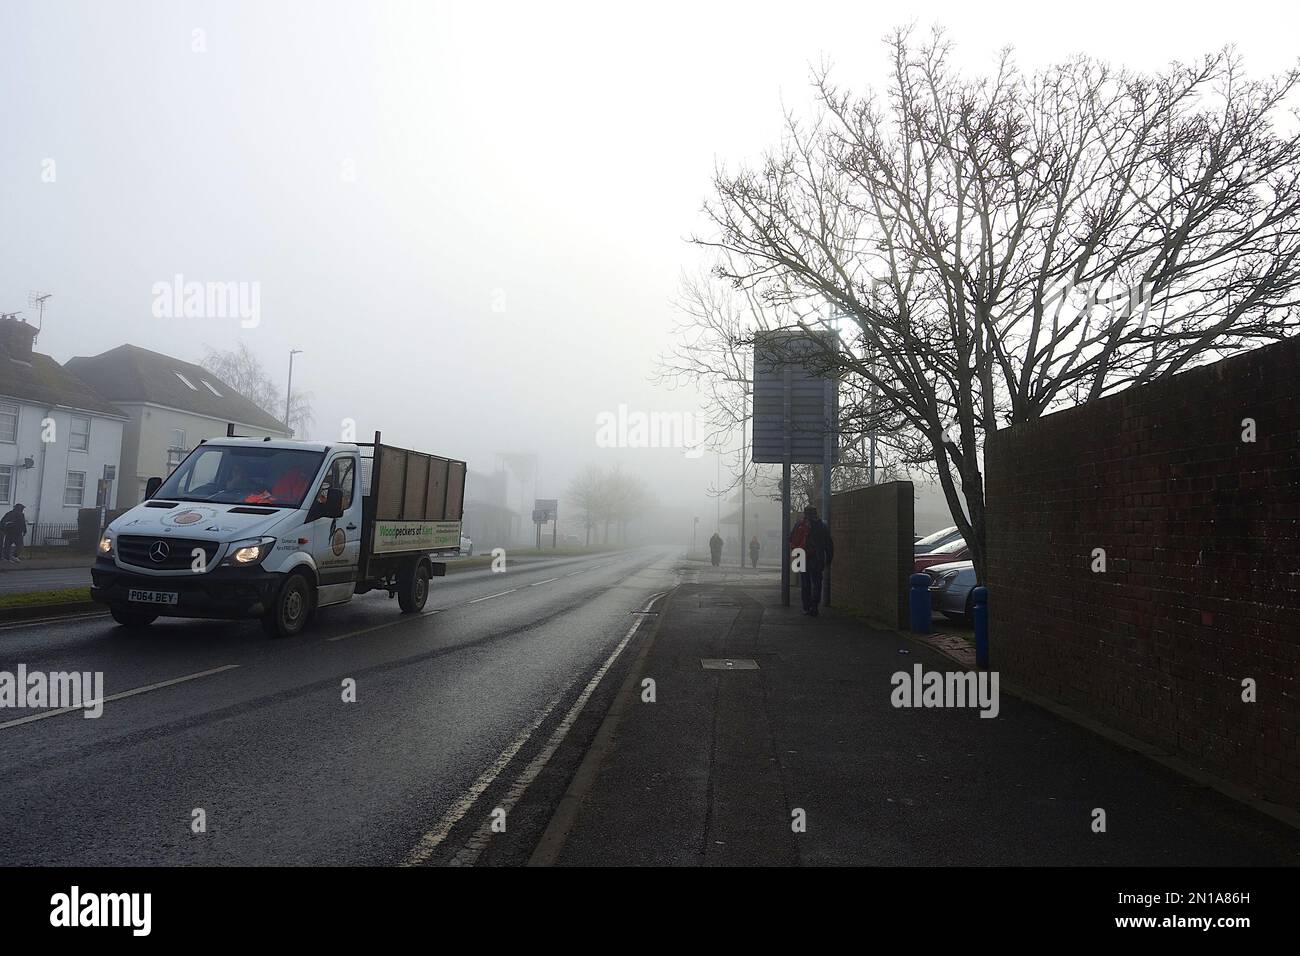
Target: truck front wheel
pixel 413 588
pixel 290 609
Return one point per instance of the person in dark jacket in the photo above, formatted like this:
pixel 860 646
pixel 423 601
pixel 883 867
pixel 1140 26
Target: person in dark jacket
pixel 715 548
pixel 13 528
pixel 753 551
pixel 812 535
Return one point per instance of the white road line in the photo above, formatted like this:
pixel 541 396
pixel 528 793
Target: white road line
pixel 430 841
pixel 433 838
pixel 405 618
pixel 491 596
pixel 121 696
pixel 572 573
pixel 540 583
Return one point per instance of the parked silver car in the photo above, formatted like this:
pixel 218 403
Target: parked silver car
pixel 937 541
pixel 950 588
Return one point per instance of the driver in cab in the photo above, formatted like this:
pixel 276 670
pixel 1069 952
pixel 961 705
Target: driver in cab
pixel 287 490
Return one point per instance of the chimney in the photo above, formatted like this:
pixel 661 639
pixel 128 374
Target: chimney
pixel 16 338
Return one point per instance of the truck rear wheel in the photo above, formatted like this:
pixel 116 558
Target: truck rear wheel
pixel 413 587
pixel 291 608
pixel 131 618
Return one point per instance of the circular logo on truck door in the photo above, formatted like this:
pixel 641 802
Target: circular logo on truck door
pixel 339 541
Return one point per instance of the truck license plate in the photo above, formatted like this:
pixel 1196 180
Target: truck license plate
pixel 153 597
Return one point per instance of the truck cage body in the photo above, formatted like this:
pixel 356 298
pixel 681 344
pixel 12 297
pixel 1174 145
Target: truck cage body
pixel 400 485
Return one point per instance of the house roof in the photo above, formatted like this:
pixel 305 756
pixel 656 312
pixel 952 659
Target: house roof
pixel 38 379
pixel 129 373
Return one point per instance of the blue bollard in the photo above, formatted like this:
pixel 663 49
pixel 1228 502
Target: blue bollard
pixel 980 612
pixel 919 603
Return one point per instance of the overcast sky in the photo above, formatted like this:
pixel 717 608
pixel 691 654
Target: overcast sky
pixel 470 216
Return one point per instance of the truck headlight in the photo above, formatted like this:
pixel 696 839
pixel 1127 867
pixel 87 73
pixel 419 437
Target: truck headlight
pixel 244 553
pixel 106 545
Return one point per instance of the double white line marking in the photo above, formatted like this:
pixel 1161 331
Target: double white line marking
pixel 431 840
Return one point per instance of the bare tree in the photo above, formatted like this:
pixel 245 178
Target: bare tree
pixel 584 493
pixel 1006 245
pixel 612 497
pixel 243 371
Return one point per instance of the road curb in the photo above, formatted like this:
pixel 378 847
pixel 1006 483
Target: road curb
pixel 31 612
pixel 1152 752
pixel 556 834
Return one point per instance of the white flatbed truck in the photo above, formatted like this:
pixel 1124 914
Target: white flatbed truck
pixel 274 530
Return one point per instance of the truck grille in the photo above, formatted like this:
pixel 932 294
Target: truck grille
pixel 139 551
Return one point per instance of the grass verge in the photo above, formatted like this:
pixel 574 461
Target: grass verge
pixel 38 598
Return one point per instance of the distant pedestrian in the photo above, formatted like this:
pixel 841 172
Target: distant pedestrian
pixel 754 547
pixel 715 548
pixel 13 528
pixel 812 535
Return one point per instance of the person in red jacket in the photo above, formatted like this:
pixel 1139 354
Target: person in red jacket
pixel 812 535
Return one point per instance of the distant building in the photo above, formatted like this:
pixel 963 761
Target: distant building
pixel 488 521
pixel 60 438
pixel 171 406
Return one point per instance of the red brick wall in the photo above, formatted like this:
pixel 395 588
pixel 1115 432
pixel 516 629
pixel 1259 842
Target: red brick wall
pixel 872 529
pixel 1202 564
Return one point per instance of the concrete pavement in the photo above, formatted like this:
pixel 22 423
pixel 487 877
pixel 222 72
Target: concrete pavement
pixel 712 772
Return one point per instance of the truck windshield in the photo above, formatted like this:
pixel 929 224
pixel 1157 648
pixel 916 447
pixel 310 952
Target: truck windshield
pixel 276 477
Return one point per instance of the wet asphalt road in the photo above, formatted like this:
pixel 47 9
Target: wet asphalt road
pixel 261 740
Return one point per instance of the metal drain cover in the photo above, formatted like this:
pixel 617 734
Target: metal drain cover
pixel 729 664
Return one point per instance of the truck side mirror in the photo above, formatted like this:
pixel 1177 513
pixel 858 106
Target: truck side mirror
pixel 151 487
pixel 331 507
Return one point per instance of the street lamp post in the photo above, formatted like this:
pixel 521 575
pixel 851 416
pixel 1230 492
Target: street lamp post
pixel 288 392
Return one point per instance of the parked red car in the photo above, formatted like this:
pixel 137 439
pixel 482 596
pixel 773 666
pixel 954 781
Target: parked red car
pixel 953 551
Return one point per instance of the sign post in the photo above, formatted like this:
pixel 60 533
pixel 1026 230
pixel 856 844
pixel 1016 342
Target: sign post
pixel 546 510
pixel 795 414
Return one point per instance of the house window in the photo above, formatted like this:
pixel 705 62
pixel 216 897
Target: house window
pixel 6 484
pixel 74 492
pixel 8 422
pixel 211 388
pixel 80 434
pixel 186 381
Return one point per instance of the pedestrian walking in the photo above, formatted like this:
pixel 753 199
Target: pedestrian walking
pixel 13 528
pixel 812 535
pixel 754 547
pixel 715 548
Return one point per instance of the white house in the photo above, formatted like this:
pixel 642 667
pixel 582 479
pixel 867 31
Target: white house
pixel 60 440
pixel 170 405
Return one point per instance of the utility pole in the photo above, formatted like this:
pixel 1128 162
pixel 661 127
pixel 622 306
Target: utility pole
pixel 288 392
pixel 744 450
